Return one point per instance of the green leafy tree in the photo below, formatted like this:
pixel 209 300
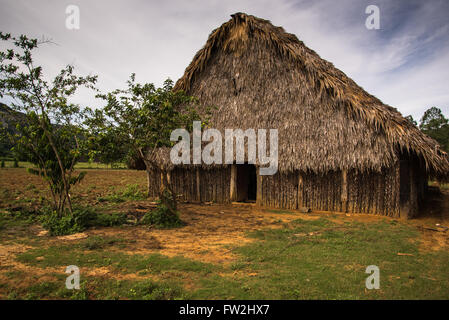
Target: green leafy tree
pixel 32 144
pixel 50 136
pixel 5 141
pixel 141 119
pixel 105 147
pixel 436 125
pixel 410 118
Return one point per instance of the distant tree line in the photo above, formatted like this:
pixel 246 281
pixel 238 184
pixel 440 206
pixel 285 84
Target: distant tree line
pixel 434 124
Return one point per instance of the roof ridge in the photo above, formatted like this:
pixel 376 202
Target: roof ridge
pixel 235 34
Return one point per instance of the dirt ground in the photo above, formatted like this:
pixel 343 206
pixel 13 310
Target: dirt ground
pixel 210 232
pixel 210 228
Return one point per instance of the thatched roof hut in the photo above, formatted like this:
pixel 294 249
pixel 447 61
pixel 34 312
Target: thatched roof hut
pixel 259 76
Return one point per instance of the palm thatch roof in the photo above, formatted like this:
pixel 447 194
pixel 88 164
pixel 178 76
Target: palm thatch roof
pixel 259 76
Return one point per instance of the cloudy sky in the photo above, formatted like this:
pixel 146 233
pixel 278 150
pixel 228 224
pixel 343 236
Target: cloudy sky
pixel 405 63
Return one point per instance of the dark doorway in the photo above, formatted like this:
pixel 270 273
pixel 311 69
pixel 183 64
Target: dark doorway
pixel 404 181
pixel 246 182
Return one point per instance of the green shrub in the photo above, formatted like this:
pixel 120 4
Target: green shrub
pixel 3 163
pixel 108 220
pixel 80 220
pixel 16 218
pixel 69 224
pixel 162 218
pixel 132 191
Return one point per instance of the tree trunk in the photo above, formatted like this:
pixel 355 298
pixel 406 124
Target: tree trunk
pixel 61 167
pixel 166 194
pixel 148 181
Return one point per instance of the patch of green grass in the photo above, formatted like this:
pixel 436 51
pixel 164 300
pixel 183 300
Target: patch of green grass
pixel 79 165
pixel 322 260
pixel 134 192
pixel 303 259
pixel 96 165
pixel 100 288
pixel 150 290
pixel 107 219
pixel 98 242
pixel 108 289
pixel 17 219
pixel 14 274
pixel 42 290
pixel 30 187
pixel 114 198
pixel 130 192
pixel 36 291
pixel 162 218
pixel 65 255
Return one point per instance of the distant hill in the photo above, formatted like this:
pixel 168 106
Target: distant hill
pixel 9 118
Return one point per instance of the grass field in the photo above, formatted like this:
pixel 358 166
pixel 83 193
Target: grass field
pixel 79 165
pixel 224 251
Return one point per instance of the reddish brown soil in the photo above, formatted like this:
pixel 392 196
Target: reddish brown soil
pixel 210 233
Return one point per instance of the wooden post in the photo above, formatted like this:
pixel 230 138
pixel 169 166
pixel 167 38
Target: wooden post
pixel 406 189
pixel 233 193
pixel 344 191
pixel 162 186
pixel 259 188
pixel 198 189
pixel 413 206
pixel 300 190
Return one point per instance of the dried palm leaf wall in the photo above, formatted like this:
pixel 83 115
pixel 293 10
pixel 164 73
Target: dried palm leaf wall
pixel 356 192
pixel 201 185
pixel 196 184
pixel 369 192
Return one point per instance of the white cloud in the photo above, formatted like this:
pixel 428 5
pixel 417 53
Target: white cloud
pixel 157 40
